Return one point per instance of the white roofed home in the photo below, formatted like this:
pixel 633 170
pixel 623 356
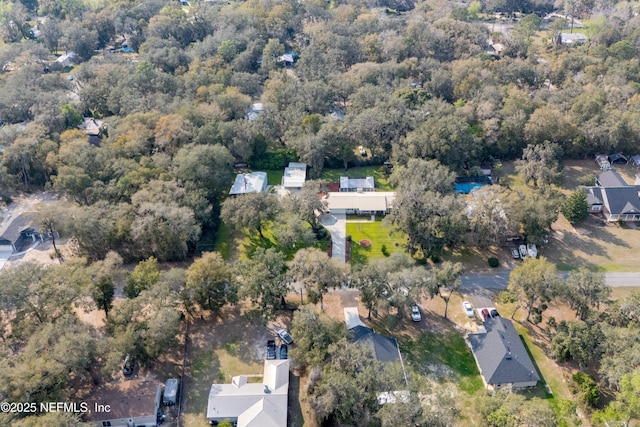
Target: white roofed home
pixel 294 175
pixel 254 182
pixel 248 404
pixel 374 202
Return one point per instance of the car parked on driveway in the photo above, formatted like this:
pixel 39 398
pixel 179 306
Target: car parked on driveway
pixel 468 309
pixel 485 315
pixel 271 350
pixel 285 336
pixel 532 251
pixel 415 313
pixel 523 251
pixel 284 350
pixel 515 253
pixel 494 313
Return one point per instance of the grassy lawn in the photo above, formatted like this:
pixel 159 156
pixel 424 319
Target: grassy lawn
pixel 379 235
pixel 593 244
pixel 274 177
pixel 224 243
pixel 551 375
pixel 209 367
pixel 251 241
pixel 445 357
pixel 379 174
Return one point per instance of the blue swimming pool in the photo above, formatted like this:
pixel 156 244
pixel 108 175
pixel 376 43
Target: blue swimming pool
pixel 467 187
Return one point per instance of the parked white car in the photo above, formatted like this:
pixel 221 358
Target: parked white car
pixel 532 251
pixel 415 313
pixel 285 336
pixel 468 309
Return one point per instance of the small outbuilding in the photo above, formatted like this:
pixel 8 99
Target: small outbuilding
pixel 67 60
pixel 603 162
pixel 254 111
pixel 618 158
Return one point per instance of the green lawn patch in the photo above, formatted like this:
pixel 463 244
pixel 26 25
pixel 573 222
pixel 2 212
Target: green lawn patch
pixel 378 234
pixel 223 242
pixel 274 177
pixel 444 356
pixel 379 173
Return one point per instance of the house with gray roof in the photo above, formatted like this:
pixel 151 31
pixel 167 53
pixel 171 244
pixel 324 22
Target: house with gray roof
pixel 385 349
pixel 502 357
pixel 253 404
pixel 617 200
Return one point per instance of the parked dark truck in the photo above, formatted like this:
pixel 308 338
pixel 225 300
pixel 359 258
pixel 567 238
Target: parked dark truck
pixel 170 396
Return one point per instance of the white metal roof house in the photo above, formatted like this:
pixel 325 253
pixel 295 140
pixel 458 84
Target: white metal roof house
pixel 360 203
pixel 254 182
pixel 67 59
pixel 501 356
pixel 294 175
pixel 254 111
pixel 617 200
pixel 572 38
pixel 253 404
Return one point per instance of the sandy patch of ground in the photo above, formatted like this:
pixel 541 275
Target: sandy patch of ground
pixel 594 244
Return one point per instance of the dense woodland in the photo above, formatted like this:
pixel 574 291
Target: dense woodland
pixel 417 83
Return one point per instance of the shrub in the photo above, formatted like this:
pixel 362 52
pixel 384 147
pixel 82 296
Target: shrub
pixel 494 262
pixel 384 250
pixel 588 389
pixel 576 207
pixel 587 180
pixel 273 160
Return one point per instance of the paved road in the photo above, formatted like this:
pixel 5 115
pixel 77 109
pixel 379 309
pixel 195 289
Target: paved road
pixel 337 226
pixel 481 288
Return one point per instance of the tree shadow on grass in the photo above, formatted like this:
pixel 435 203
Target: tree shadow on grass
pixel 296 418
pixel 359 254
pixel 541 389
pixel 204 369
pixel 254 242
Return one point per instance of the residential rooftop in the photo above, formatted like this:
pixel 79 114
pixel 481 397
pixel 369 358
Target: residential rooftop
pixel 254 182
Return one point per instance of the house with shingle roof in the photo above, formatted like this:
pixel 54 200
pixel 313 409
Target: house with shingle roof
pixel 617 200
pixel 502 357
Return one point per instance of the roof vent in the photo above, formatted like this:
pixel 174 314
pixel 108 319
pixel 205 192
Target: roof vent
pixel 508 356
pixel 266 389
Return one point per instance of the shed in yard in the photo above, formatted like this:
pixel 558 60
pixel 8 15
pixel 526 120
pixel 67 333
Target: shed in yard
pixel 618 158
